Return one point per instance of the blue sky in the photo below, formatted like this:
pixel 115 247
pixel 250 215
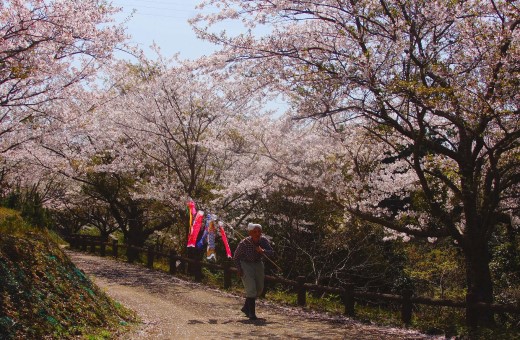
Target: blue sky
pixel 165 23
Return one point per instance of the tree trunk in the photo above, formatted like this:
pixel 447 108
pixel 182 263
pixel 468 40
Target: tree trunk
pixel 478 277
pixel 135 238
pixel 131 252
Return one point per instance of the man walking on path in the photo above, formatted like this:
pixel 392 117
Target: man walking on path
pixel 248 260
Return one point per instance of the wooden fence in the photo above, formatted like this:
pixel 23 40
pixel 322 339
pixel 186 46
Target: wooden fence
pixel 348 293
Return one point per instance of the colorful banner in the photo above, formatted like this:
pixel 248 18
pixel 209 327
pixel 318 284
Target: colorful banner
pixel 197 224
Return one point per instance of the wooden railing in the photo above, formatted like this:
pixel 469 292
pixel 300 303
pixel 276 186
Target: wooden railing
pixel 348 293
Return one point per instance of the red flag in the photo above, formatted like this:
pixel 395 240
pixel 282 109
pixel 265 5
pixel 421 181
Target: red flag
pixel 224 239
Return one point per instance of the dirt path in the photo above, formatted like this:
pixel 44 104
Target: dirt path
pixel 171 308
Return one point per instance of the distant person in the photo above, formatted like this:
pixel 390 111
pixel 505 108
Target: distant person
pixel 249 262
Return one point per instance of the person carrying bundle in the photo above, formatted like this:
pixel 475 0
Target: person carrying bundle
pixel 248 259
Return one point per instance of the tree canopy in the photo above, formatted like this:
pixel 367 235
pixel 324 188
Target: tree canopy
pixel 402 114
pixel 431 85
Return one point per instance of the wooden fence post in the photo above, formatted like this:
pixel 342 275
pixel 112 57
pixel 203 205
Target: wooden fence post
pixel 173 262
pixel 227 274
pixel 131 254
pixel 348 299
pixel 197 270
pixel 73 241
pixel 114 248
pixel 182 265
pixel 92 245
pixel 150 257
pixel 83 243
pixel 406 307
pixel 102 248
pixel 301 291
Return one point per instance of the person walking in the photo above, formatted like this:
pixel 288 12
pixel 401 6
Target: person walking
pixel 248 259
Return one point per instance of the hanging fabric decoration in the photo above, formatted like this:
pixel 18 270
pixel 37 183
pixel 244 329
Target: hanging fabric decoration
pixel 212 231
pixel 224 238
pixel 211 228
pixel 191 212
pixel 203 239
pixel 192 239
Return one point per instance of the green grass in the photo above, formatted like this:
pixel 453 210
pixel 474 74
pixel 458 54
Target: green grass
pixel 12 223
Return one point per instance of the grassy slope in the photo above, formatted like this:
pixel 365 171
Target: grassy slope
pixel 42 293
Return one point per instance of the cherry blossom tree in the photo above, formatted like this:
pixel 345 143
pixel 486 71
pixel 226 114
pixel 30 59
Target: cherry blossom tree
pixel 160 135
pixel 430 89
pixel 99 165
pixel 186 123
pixel 47 47
pixel 50 55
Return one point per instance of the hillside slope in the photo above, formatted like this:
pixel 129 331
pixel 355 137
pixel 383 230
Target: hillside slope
pixel 44 295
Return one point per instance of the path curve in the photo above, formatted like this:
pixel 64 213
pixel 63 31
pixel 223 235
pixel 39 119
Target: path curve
pixel 171 308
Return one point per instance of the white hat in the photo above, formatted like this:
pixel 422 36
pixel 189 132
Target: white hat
pixel 252 226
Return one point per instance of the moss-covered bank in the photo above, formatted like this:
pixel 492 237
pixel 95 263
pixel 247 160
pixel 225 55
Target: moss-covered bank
pixel 44 295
